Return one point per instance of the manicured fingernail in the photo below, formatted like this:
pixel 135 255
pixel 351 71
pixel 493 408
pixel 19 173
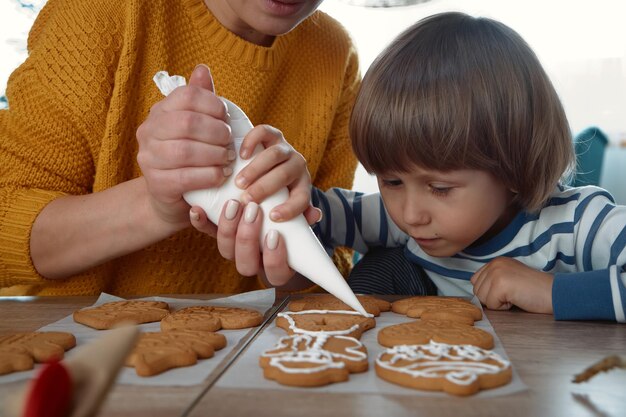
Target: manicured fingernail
pixel 232 155
pixel 272 239
pixel 231 209
pixel 241 182
pixel 251 211
pixel 194 215
pixel 276 216
pixel 244 153
pixel 228 171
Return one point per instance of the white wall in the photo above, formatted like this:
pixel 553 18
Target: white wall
pixel 582 45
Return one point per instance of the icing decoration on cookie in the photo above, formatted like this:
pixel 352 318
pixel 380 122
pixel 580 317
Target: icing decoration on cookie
pixel 295 329
pixel 310 348
pixel 458 369
pixel 309 361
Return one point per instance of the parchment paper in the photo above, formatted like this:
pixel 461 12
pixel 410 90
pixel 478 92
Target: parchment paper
pixel 246 372
pixel 261 301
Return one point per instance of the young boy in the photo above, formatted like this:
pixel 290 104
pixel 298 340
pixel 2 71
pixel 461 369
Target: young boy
pixel 469 141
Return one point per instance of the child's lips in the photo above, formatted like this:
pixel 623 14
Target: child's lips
pixel 426 242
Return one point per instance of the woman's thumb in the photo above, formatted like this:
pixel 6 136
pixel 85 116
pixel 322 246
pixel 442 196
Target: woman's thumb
pixel 201 77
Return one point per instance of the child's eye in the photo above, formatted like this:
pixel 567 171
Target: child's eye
pixel 391 182
pixel 440 191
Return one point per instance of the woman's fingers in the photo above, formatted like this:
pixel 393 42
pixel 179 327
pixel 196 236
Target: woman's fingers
pixel 227 230
pixel 247 246
pixel 277 271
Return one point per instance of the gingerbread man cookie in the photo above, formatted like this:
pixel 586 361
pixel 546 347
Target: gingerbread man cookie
pixel 438 308
pixel 156 352
pixel 316 322
pixel 305 360
pixel 210 318
pixel 19 351
pixel 372 305
pixel 455 369
pixel 108 315
pixel 420 332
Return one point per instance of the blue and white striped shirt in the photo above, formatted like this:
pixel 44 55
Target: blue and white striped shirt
pixel 579 236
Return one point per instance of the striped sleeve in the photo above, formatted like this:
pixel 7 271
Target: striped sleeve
pixel 598 290
pixel 355 220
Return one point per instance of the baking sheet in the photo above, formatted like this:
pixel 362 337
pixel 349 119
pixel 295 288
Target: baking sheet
pixel 261 301
pixel 246 372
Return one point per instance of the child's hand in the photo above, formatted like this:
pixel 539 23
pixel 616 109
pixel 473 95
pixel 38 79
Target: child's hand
pixel 182 146
pixel 504 282
pixel 278 165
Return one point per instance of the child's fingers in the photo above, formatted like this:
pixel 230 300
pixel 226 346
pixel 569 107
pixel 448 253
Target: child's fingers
pixel 292 173
pixel 200 221
pixel 277 270
pixel 313 215
pixel 281 161
pixel 227 230
pixel 264 135
pixel 298 202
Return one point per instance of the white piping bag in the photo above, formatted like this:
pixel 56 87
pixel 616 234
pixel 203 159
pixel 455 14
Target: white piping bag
pixel 305 254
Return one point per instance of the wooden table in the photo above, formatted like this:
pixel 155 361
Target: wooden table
pixel 544 352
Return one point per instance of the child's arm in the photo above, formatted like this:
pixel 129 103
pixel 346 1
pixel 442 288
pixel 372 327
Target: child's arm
pixel 596 291
pixel 356 220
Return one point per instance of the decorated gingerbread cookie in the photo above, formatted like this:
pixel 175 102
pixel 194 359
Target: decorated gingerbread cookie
pixel 316 322
pixel 309 361
pixel 421 332
pixel 209 318
pixel 108 315
pixel 19 351
pixel 372 305
pixel 455 369
pixel 156 352
pixel 438 308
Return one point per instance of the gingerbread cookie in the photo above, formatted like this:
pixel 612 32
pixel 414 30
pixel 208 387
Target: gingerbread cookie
pixel 156 352
pixel 209 318
pixel 438 308
pixel 420 332
pixel 19 351
pixel 108 315
pixel 316 322
pixel 455 369
pixel 372 305
pixel 305 360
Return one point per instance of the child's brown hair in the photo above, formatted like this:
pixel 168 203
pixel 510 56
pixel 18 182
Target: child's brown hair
pixel 458 92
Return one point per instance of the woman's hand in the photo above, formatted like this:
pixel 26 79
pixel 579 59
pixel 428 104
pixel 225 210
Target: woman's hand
pixel 238 239
pixel 505 282
pixel 183 146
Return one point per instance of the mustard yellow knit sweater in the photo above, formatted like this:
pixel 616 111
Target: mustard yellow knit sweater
pixel 76 103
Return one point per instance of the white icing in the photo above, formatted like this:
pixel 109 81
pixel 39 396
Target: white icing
pixel 295 329
pixel 459 364
pixel 313 352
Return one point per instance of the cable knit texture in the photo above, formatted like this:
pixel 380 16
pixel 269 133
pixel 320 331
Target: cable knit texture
pixel 76 103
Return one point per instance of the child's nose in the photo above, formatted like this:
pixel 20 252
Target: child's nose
pixel 416 214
